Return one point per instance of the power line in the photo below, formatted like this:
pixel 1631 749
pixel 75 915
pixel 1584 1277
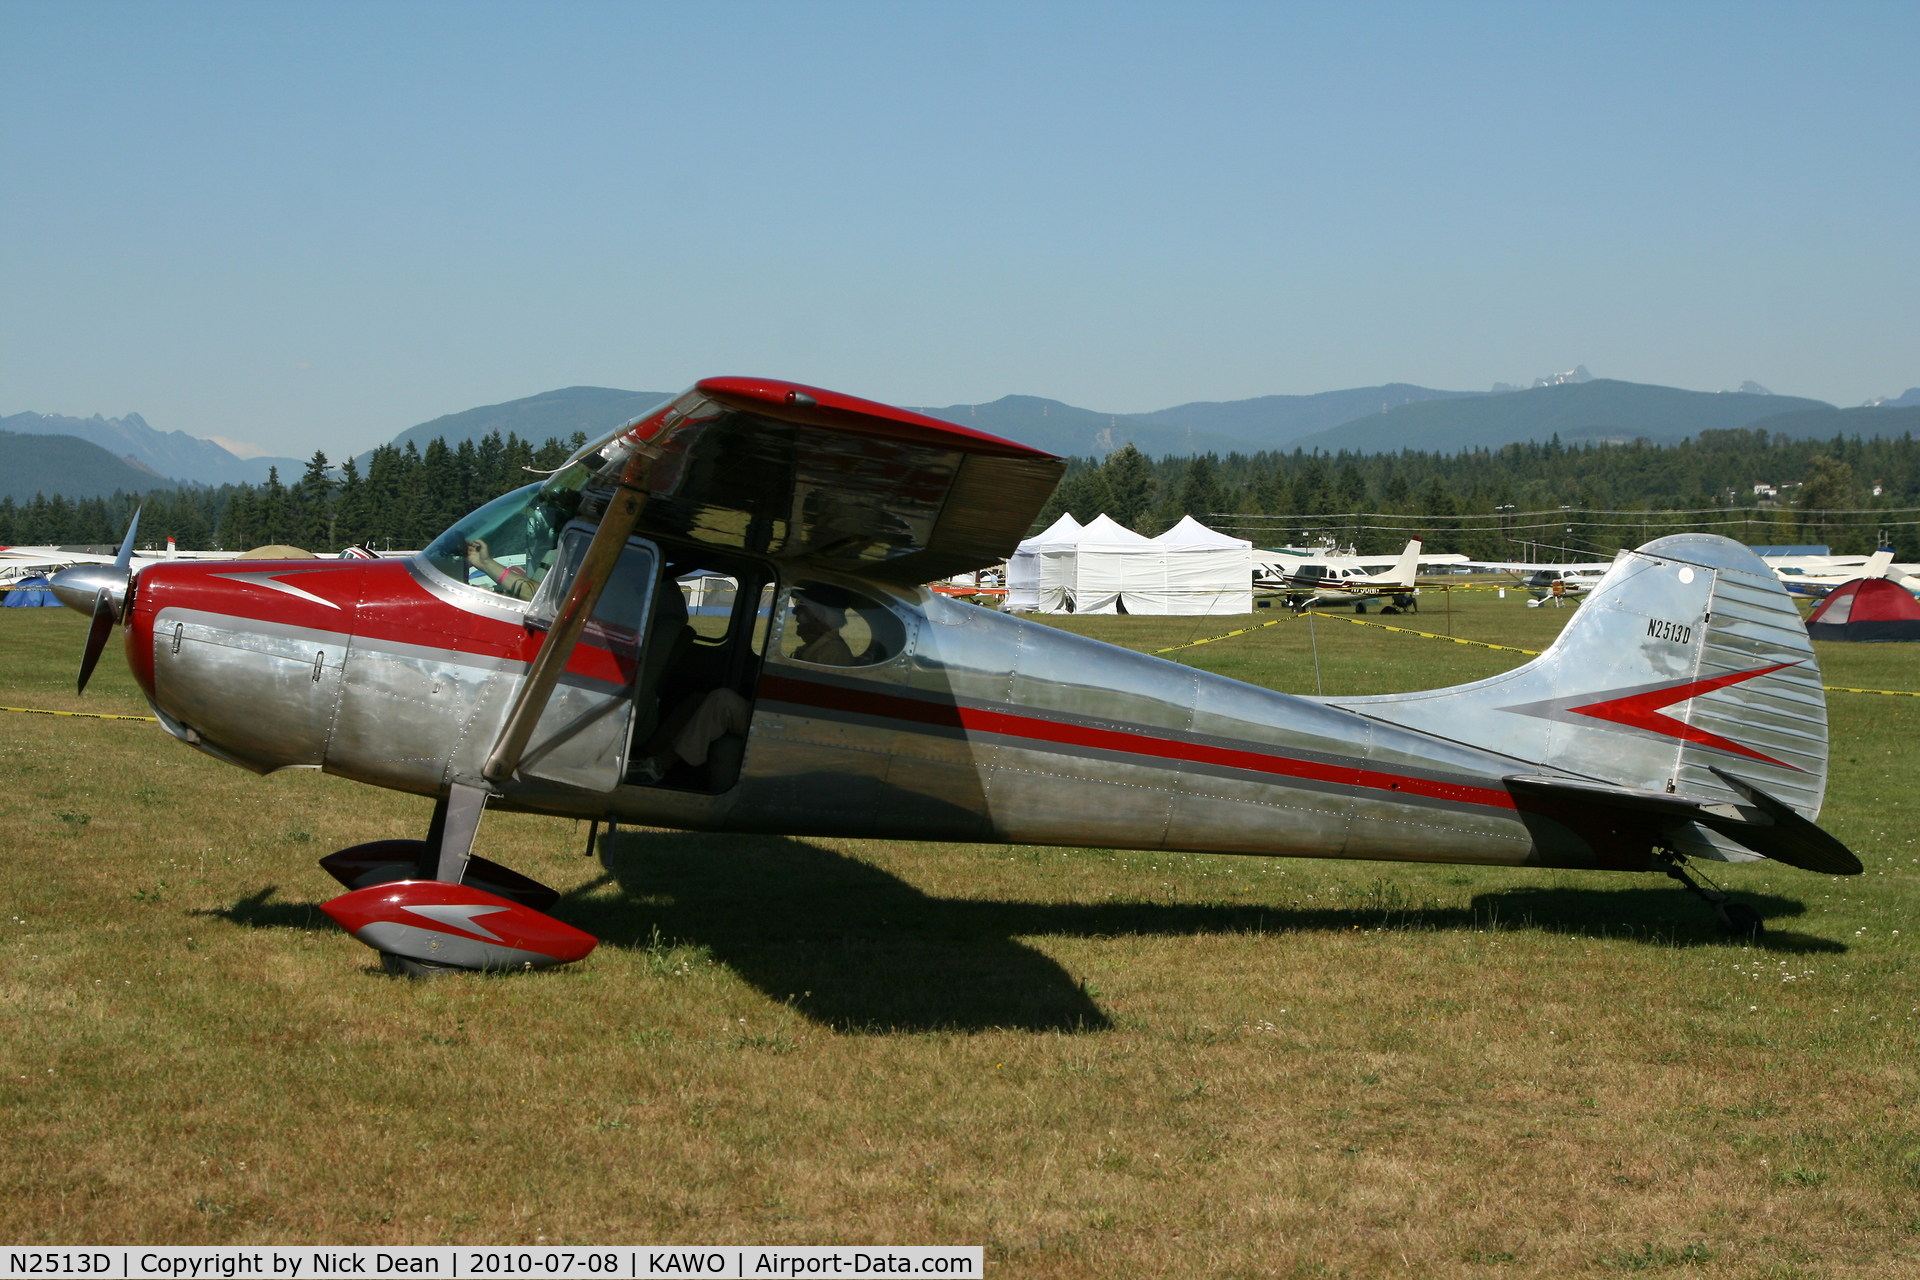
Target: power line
pixel 1560 514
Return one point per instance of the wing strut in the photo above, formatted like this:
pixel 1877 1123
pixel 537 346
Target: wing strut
pixel 583 593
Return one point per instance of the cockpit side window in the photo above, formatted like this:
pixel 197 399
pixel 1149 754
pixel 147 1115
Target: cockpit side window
pixel 835 627
pixel 508 545
pixel 711 599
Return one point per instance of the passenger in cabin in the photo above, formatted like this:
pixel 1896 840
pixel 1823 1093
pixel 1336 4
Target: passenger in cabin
pixel 819 614
pixel 689 732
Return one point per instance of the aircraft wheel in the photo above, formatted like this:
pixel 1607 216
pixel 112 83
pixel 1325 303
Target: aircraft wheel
pixel 1359 606
pixel 1740 920
pixel 419 970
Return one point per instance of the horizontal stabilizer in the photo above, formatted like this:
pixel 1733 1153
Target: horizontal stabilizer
pixel 1763 824
pixel 1790 838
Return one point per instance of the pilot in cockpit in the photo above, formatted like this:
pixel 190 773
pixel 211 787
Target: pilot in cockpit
pixel 508 545
pixel 509 580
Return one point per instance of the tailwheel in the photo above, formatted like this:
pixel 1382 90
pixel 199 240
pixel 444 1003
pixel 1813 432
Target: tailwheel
pixel 1735 919
pixel 1740 920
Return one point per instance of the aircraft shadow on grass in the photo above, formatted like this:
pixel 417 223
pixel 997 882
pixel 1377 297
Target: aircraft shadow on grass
pixel 853 947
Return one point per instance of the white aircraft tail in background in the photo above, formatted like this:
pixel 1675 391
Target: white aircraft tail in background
pixel 1404 570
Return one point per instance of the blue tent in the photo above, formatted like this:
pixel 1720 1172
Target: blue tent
pixel 30 593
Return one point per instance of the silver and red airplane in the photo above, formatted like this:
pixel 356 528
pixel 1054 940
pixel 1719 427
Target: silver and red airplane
pixel 539 657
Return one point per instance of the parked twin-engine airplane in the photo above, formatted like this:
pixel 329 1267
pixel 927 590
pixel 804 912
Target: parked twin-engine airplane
pixel 538 657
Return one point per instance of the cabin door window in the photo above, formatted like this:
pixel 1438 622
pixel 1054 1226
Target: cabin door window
pixel 583 735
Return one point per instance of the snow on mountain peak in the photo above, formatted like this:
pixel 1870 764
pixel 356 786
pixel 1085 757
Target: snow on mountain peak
pixel 1576 374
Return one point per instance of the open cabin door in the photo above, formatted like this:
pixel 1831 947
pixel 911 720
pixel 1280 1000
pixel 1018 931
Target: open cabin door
pixel 582 737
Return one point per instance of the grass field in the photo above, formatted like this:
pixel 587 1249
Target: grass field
pixel 1093 1063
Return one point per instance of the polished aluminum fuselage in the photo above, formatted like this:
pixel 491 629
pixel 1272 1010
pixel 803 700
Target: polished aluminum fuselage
pixel 986 727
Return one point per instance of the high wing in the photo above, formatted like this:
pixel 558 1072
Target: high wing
pixel 815 479
pixel 805 477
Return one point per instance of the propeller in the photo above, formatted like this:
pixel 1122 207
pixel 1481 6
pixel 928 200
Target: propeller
pixel 101 591
pixel 104 616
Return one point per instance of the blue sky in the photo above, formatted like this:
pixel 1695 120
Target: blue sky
pixel 315 225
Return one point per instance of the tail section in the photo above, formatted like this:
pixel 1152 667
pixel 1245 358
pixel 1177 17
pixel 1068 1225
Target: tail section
pixel 1686 673
pixel 1404 570
pixel 1879 563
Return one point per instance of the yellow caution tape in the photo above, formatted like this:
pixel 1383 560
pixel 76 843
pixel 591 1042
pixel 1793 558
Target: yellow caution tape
pixel 1889 693
pixel 1430 635
pixel 85 715
pixel 1228 636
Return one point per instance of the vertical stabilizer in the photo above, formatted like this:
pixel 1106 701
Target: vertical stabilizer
pixel 1404 570
pixel 1688 657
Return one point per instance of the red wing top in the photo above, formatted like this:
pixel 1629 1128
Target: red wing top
pixel 806 476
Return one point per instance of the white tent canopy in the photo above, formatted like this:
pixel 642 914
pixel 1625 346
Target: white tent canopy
pixel 1207 571
pixel 1108 568
pixel 1023 567
pixel 1191 535
pixel 1112 563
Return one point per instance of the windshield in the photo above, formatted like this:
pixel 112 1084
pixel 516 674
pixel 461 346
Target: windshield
pixel 508 545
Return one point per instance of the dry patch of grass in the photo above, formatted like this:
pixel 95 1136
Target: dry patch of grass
pixel 1091 1061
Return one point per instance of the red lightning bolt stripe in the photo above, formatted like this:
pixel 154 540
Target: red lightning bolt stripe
pixel 1642 711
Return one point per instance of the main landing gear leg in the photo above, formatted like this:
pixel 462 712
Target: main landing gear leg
pixel 1734 918
pixel 458 820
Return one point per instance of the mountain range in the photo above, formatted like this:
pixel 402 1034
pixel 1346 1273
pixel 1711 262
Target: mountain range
pixel 1910 399
pixel 172 454
pixel 551 415
pixel 31 464
pixel 1575 406
pixel 126 453
pixel 1600 409
pixel 1387 419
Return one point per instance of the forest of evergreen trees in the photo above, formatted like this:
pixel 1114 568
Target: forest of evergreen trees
pixel 1845 492
pixel 407 496
pixel 1487 503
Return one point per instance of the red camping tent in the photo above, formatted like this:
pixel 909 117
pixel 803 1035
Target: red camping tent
pixel 1867 609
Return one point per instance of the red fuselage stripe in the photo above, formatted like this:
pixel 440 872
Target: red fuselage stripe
pixel 1033 728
